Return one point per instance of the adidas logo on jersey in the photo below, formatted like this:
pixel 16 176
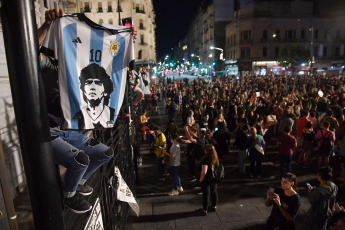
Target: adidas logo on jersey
pixel 77 40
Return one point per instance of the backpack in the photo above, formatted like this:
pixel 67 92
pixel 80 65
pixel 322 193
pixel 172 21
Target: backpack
pixel 217 174
pixel 326 145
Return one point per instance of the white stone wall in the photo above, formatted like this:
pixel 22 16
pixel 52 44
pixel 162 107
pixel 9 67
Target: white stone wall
pixel 129 9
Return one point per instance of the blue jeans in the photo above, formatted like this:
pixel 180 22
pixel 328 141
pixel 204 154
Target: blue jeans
pixel 80 155
pixel 175 176
pixel 311 223
pixel 285 163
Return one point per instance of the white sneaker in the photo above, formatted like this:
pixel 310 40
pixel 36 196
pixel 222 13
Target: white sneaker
pixel 180 189
pixel 173 193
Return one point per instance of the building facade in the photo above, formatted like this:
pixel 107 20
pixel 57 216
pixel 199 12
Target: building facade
pixel 206 30
pixel 258 34
pixel 143 17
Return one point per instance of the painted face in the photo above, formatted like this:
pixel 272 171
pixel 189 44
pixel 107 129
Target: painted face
pixel 286 184
pixel 94 89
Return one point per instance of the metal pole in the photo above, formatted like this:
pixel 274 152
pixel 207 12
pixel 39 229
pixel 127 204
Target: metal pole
pixel 118 9
pixel 21 44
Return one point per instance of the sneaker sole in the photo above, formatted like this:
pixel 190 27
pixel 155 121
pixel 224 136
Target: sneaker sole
pixel 85 193
pixel 79 211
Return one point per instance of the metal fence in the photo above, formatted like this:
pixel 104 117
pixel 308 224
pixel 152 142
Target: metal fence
pixel 121 139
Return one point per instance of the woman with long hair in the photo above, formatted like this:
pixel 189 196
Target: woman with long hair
pixel 209 160
pixel 322 200
pixel 286 203
pixel 256 152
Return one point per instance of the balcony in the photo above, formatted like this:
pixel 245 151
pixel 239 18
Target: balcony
pixel 142 28
pixel 119 9
pixel 143 43
pixel 110 9
pixel 99 10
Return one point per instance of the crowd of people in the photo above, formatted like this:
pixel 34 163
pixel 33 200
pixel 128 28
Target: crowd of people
pixel 302 115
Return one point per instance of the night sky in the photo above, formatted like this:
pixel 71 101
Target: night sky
pixel 172 20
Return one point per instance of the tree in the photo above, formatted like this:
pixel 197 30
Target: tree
pixel 292 56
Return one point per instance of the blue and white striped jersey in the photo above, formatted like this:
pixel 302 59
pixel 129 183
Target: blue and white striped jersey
pixel 92 61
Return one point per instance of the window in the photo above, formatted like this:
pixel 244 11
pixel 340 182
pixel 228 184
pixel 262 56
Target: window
pixel 315 51
pixel 110 8
pixel 264 34
pixel 142 39
pixel 119 8
pixel 139 54
pixel 100 9
pixel 245 35
pixel 326 34
pixel 264 52
pixel 290 34
pixel 141 24
pixel 45 3
pixel 337 51
pixel 302 34
pixel 245 52
pixel 324 51
pixel 277 33
pixel 276 52
pixel 55 5
pixel 87 7
pixel 110 21
pixel 316 34
pixel 337 36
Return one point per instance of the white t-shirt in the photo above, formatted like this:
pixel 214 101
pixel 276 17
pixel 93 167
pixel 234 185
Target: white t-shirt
pixel 77 43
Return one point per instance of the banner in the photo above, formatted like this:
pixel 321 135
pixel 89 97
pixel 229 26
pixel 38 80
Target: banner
pixel 124 193
pixel 95 221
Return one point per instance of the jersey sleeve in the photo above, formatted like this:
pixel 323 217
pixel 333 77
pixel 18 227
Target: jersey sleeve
pixel 51 41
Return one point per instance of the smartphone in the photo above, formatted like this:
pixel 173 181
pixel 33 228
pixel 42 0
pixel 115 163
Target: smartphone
pixel 160 147
pixel 127 22
pixel 271 191
pixel 216 129
pixel 257 94
pixel 308 185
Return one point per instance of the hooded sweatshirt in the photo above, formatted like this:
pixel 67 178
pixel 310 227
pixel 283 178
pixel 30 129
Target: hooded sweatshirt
pixel 322 200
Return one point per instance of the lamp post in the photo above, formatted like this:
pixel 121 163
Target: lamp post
pixel 220 49
pixel 220 56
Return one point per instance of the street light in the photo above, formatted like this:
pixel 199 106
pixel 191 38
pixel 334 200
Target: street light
pixel 216 48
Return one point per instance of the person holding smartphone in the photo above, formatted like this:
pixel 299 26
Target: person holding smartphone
pixel 322 200
pixel 175 155
pixel 286 203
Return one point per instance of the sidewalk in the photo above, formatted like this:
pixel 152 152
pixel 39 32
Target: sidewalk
pixel 241 198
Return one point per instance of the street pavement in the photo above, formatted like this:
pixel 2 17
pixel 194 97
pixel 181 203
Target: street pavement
pixel 241 198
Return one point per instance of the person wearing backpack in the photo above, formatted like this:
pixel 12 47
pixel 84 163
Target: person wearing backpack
pixel 325 139
pixel 208 187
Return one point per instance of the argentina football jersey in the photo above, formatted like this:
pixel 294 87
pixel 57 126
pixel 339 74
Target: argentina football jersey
pixel 92 68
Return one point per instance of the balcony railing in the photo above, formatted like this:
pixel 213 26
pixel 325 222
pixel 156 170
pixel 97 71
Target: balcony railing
pixel 143 43
pixel 110 9
pixel 100 10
